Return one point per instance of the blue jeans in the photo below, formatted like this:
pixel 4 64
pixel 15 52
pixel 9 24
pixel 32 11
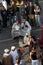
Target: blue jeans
pixel 35 62
pixel 37 20
pixel 11 19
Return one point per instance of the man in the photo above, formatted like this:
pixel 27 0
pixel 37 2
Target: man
pixel 7 58
pixel 37 14
pixel 22 10
pixel 25 27
pixel 15 29
pixel 14 54
pixel 4 13
pixel 4 3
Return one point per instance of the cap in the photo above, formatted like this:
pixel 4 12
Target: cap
pixel 13 47
pixel 6 50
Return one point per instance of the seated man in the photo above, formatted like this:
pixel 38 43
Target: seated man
pixel 25 27
pixel 15 29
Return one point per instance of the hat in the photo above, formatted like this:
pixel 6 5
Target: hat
pixel 13 47
pixel 6 50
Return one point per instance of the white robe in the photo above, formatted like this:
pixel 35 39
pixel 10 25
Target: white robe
pixel 14 55
pixel 15 30
pixel 26 29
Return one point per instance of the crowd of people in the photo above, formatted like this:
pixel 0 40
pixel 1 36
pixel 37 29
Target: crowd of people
pixel 21 16
pixel 15 56
pixel 12 57
pixel 12 11
pixel 20 29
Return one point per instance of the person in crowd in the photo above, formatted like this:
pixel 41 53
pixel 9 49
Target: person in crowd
pixel 4 8
pixel 25 27
pixel 15 29
pixel 11 12
pixel 29 41
pixel 19 53
pixel 39 52
pixel 26 39
pixel 14 54
pixel 27 8
pixel 22 10
pixel 30 12
pixel 4 3
pixel 18 5
pixel 18 13
pixel 26 43
pixel 7 58
pixel 34 57
pixel 20 62
pixel 17 61
pixel 37 11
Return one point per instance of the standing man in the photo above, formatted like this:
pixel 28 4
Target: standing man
pixel 14 54
pixel 37 14
pixel 22 10
pixel 4 13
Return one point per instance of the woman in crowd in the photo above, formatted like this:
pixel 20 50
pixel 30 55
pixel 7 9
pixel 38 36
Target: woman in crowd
pixel 34 57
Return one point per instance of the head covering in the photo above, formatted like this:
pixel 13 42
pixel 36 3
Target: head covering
pixel 6 50
pixel 13 48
